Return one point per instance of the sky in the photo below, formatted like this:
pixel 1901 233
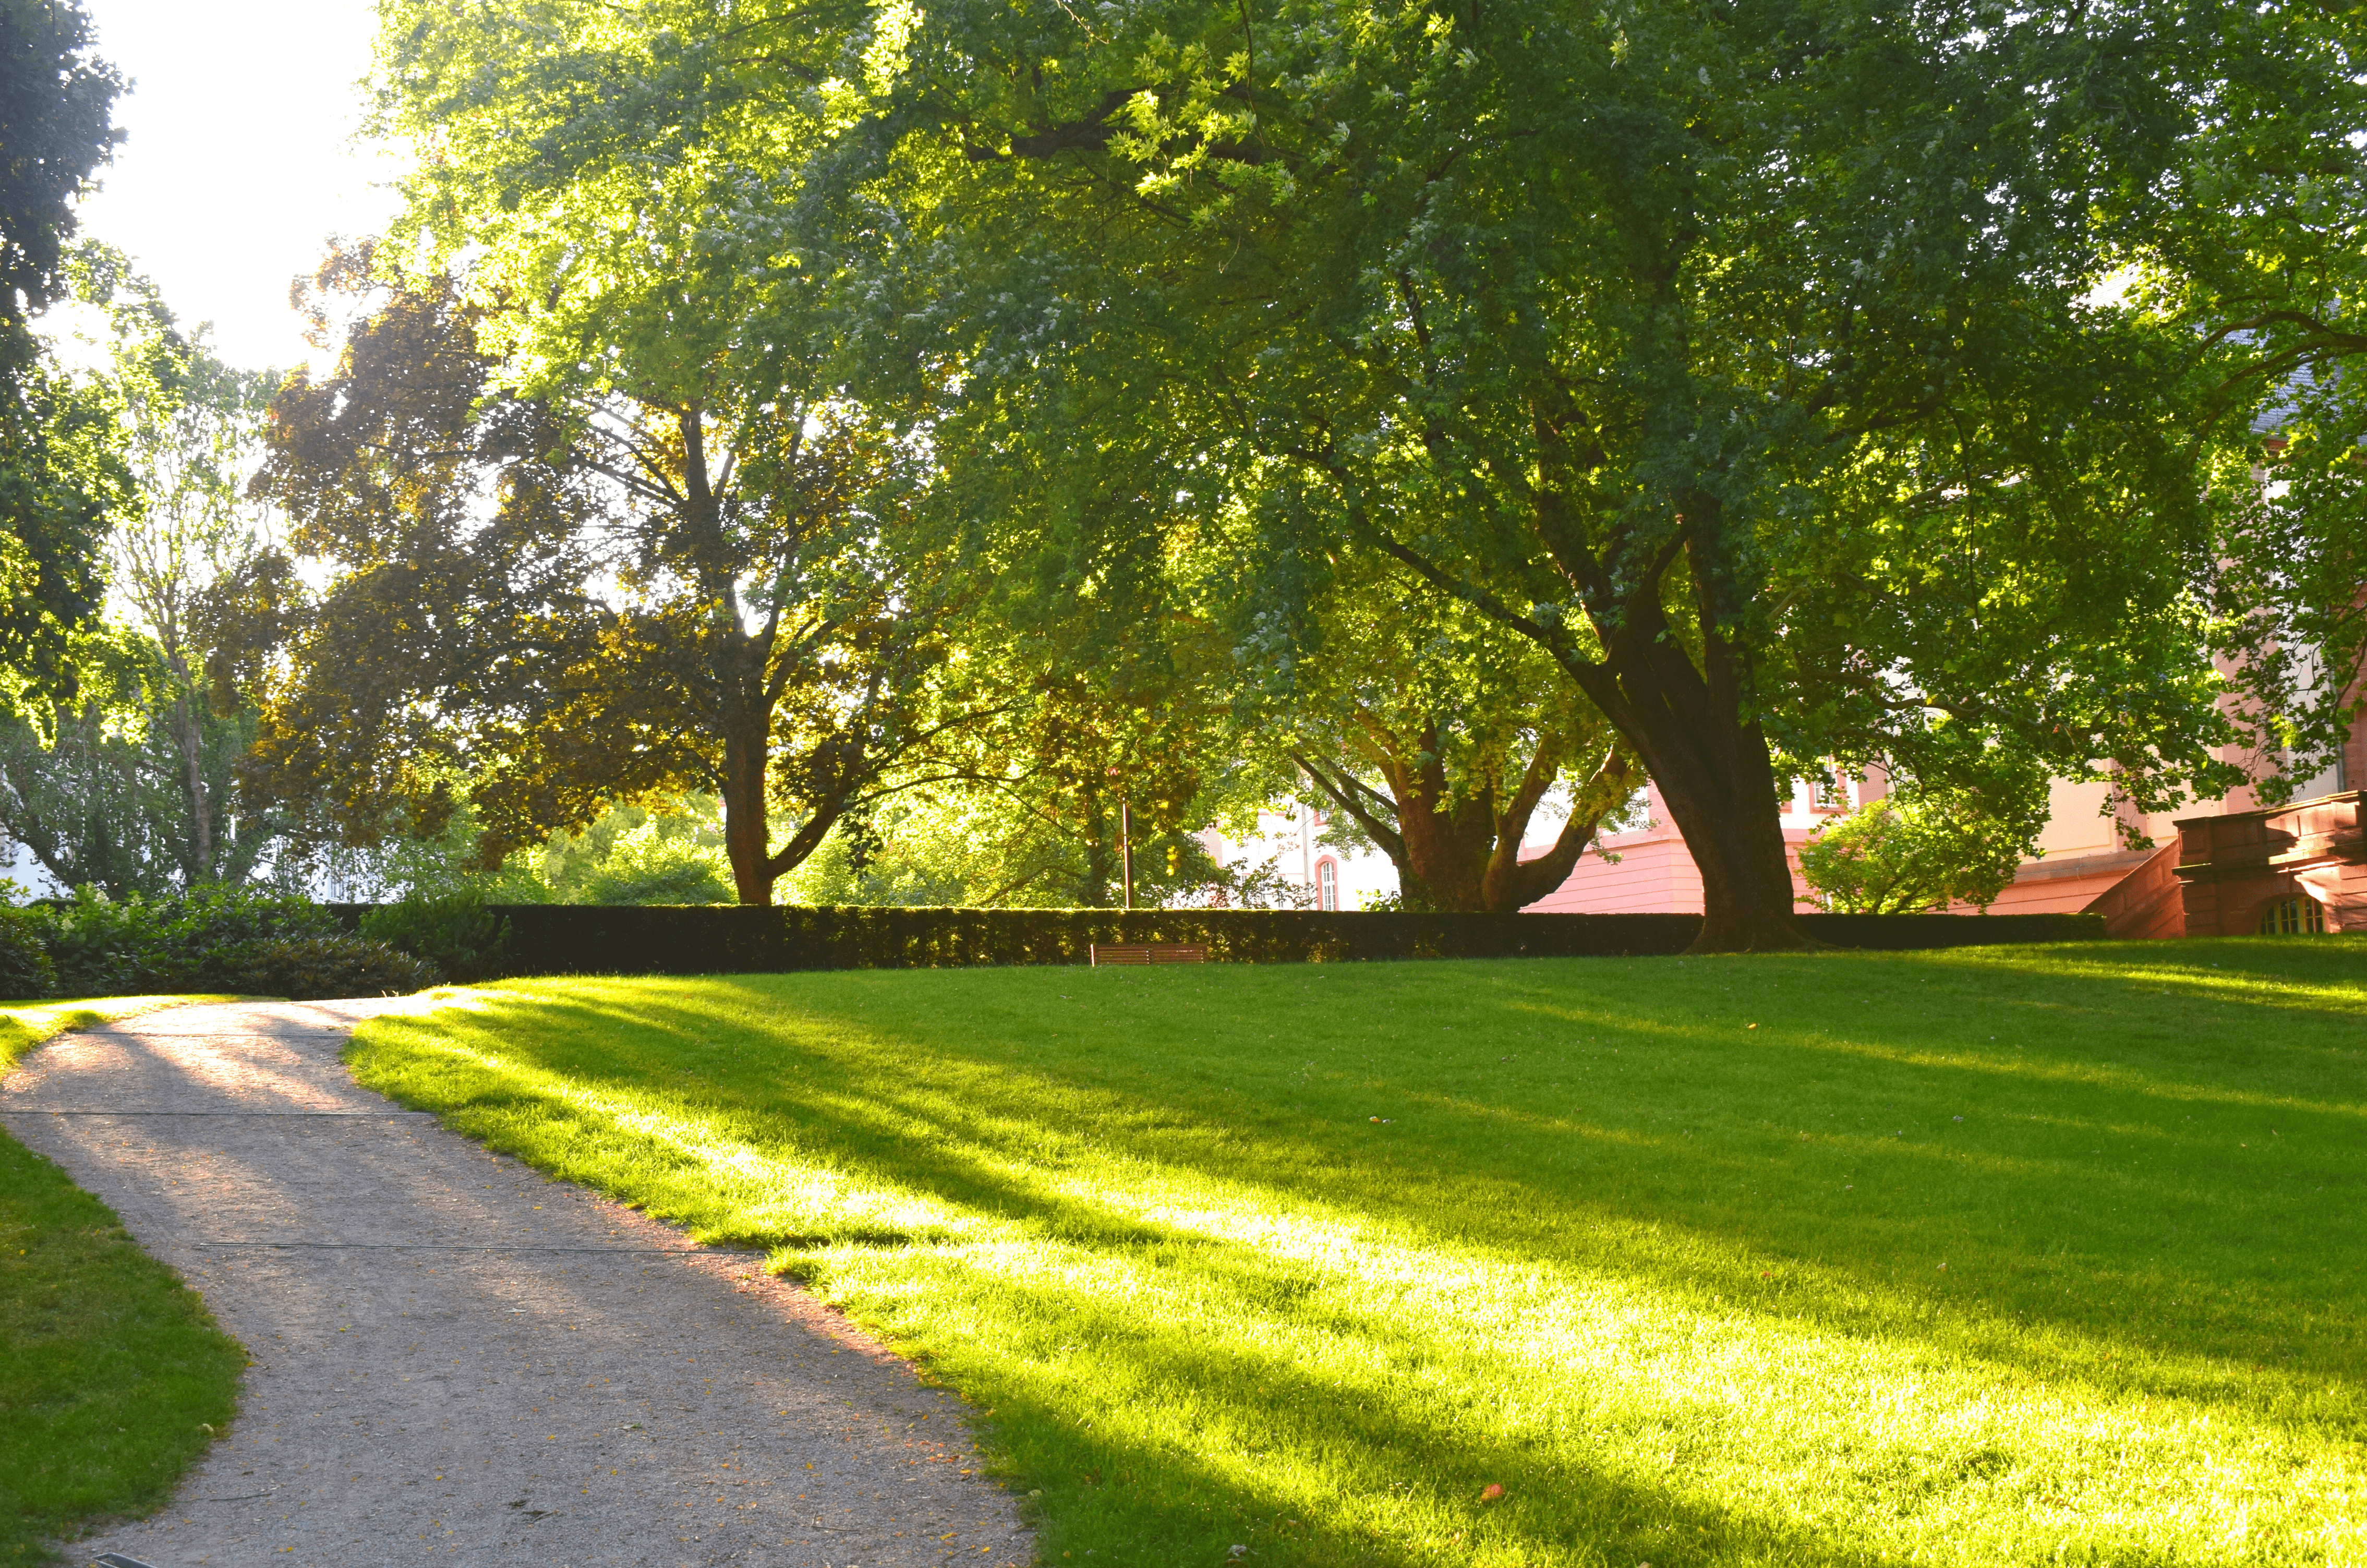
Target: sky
pixel 238 161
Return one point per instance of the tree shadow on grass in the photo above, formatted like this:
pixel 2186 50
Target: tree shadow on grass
pixel 2154 1243
pixel 1332 1429
pixel 981 1127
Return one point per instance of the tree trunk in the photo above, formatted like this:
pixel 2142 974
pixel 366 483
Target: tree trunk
pixel 189 735
pixel 1511 884
pixel 1445 847
pixel 747 832
pixel 1713 771
pixel 1720 785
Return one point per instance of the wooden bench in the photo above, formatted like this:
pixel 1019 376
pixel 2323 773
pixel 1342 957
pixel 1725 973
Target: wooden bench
pixel 1151 953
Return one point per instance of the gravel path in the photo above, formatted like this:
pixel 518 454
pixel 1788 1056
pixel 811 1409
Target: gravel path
pixel 456 1361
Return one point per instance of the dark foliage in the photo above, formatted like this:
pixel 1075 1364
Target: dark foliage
pixel 311 969
pixel 56 107
pixel 25 973
pixel 457 932
pixel 57 103
pixel 583 938
pixel 104 947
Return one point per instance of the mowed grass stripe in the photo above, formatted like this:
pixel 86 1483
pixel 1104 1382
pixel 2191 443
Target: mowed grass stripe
pixel 1995 1255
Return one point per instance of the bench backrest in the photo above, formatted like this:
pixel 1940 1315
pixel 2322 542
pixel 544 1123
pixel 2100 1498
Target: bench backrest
pixel 1099 953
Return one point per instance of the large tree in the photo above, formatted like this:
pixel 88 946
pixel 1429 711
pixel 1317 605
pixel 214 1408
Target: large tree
pixel 58 481
pixel 125 781
pixel 190 433
pixel 1751 360
pixel 550 605
pixel 2267 261
pixel 627 260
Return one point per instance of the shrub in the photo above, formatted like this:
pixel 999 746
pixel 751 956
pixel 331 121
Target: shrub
pixel 200 936
pixel 316 969
pixel 103 947
pixel 25 973
pixel 689 878
pixel 99 946
pixel 1912 852
pixel 456 932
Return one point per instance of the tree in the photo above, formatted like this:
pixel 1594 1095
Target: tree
pixel 190 435
pixel 569 601
pixel 99 787
pixel 2267 263
pixel 1746 358
pixel 1914 851
pixel 124 781
pixel 653 295
pixel 57 483
pixel 1438 732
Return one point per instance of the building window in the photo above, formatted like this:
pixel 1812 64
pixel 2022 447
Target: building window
pixel 1327 884
pixel 2294 917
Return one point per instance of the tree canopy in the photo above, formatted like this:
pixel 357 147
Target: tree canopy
pixel 59 479
pixel 1755 362
pixel 565 600
pixel 1720 390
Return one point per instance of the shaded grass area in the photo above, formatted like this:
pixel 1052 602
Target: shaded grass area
pixel 107 1363
pixel 1994 1255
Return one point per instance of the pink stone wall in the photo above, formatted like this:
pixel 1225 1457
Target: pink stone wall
pixel 1654 876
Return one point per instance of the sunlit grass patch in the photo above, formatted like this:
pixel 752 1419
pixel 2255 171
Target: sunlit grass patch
pixel 1990 1257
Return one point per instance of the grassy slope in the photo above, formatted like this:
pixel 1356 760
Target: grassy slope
pixel 1976 1257
pixel 108 1364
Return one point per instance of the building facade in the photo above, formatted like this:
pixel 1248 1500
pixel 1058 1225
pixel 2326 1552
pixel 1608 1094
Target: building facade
pixel 1290 840
pixel 2232 867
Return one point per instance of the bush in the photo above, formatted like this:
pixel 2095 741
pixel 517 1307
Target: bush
pixel 456 932
pixel 687 878
pixel 318 969
pixel 1913 852
pixel 25 973
pixel 202 936
pixel 101 946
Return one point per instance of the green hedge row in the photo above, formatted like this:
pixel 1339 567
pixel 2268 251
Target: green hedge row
pixel 607 939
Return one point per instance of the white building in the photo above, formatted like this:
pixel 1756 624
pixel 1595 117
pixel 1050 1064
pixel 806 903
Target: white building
pixel 1289 840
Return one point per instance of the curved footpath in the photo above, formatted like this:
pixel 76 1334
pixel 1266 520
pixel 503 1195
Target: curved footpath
pixel 457 1360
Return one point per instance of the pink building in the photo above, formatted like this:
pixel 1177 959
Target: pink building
pixel 2216 868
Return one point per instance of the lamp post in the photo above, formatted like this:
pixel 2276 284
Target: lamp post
pixel 1126 853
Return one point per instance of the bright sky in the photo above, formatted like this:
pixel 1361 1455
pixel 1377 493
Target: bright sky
pixel 238 161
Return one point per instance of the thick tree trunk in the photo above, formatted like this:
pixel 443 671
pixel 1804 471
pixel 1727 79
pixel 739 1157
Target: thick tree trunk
pixel 1511 884
pixel 1446 854
pixel 1713 771
pixel 1724 807
pixel 747 832
pixel 1719 783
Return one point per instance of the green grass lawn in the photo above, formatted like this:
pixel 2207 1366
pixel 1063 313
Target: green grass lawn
pixel 2000 1256
pixel 108 1364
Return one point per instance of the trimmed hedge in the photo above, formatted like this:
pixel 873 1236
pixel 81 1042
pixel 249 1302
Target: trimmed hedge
pixel 551 939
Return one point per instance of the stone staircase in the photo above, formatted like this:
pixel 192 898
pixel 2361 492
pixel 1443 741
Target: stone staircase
pixel 2149 902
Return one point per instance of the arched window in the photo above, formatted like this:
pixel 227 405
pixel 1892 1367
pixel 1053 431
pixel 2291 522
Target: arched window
pixel 2293 917
pixel 1327 883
